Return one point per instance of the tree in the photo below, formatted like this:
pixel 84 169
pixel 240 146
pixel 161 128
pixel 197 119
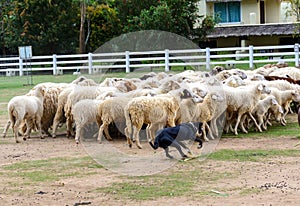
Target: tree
pixel 293 9
pixel 177 16
pixel 102 25
pixel 130 8
pixel 50 26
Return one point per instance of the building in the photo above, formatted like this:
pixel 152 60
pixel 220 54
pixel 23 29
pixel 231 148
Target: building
pixel 250 22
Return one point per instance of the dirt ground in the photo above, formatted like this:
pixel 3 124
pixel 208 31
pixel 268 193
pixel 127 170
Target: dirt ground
pixel 271 181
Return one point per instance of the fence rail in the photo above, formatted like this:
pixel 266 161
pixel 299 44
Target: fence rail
pixel 128 60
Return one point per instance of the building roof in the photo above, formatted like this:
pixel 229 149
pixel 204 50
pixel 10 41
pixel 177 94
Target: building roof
pixel 255 30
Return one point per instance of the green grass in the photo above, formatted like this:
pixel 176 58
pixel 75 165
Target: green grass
pixel 276 130
pixel 49 170
pixel 179 183
pixel 251 155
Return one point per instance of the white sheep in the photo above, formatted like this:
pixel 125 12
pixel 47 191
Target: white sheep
pixel 291 72
pixel 262 108
pixel 203 111
pixel 84 113
pixel 109 111
pixel 284 98
pixel 28 109
pixel 79 93
pixel 242 100
pixel 234 81
pixel 61 108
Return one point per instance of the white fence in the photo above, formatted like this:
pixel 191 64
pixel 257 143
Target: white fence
pixel 207 58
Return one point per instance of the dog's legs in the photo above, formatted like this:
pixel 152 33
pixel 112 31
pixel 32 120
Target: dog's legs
pixel 185 147
pixel 167 153
pixel 177 146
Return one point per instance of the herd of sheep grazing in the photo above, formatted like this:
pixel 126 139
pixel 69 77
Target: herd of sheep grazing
pixel 223 100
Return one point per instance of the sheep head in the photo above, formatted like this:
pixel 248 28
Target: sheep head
pixel 186 94
pixel 263 89
pixel 295 96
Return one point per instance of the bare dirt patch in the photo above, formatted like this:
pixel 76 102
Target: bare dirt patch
pixel 59 172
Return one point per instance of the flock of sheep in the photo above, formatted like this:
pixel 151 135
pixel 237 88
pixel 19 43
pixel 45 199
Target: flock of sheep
pixel 223 100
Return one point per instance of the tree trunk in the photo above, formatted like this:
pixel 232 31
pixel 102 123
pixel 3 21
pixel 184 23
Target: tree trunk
pixel 81 32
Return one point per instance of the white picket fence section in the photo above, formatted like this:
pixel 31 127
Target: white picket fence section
pixel 207 58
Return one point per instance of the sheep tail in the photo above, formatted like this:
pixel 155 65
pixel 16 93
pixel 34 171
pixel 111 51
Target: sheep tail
pixel 12 114
pixel 128 122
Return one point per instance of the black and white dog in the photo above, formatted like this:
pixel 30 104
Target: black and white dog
pixel 173 136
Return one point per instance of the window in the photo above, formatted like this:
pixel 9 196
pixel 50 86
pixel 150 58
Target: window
pixel 228 11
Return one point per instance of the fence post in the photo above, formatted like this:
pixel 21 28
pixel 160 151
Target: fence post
pixel 251 58
pixel 127 61
pixel 207 52
pixel 90 57
pixel 296 49
pixel 54 64
pixel 167 68
pixel 20 67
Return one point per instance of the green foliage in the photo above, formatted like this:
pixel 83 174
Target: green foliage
pixel 49 26
pixel 179 17
pixel 104 25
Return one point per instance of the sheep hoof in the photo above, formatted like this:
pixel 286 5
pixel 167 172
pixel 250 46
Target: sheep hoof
pixel 130 145
pixel 140 147
pixel 77 142
pixel 43 137
pixel 24 138
pixel 17 141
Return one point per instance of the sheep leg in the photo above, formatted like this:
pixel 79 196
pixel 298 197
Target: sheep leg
pixel 29 125
pixel 135 135
pixel 209 132
pixel 237 123
pixel 204 132
pixel 103 127
pixel 6 128
pixel 39 127
pixel 254 120
pixel 56 122
pixel 148 133
pixel 69 127
pixel 78 133
pixel 15 126
pixel 151 131
pixel 242 124
pixel 214 127
pixel 128 136
pixel 107 135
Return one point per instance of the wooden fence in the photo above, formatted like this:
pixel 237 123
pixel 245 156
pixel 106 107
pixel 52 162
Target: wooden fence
pixel 127 61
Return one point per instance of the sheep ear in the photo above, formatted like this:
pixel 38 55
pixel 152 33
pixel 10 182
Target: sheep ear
pixel 260 87
pixel 274 101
